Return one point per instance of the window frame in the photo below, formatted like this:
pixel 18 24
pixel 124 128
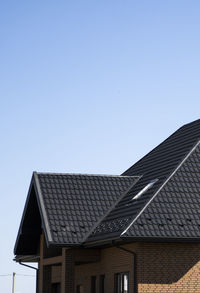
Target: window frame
pixel 79 288
pixel 102 283
pixel 119 282
pixel 56 287
pixel 93 284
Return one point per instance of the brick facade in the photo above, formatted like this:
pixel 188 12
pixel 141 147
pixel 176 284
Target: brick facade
pixel 46 279
pixel 112 261
pixel 69 271
pixel 161 268
pixel 169 267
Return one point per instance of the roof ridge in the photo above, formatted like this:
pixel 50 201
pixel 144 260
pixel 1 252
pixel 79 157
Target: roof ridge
pixel 195 121
pixel 110 209
pixel 86 174
pixel 163 142
pixel 160 188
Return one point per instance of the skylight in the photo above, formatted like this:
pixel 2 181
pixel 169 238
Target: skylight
pixel 149 185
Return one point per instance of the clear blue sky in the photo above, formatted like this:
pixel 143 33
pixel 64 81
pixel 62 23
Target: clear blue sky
pixel 88 86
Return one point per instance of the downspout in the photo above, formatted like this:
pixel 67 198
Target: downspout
pixel 36 273
pixel 135 287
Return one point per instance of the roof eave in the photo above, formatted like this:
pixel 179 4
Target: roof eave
pixel 27 258
pixel 116 240
pixel 64 245
pixel 96 243
pixel 160 239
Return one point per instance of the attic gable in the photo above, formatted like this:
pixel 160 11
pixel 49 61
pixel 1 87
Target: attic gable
pixel 27 242
pixel 66 207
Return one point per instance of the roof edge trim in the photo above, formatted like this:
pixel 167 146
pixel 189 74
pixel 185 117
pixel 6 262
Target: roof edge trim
pixel 65 244
pixel 159 239
pixel 44 214
pixel 83 174
pixel 181 163
pixel 23 215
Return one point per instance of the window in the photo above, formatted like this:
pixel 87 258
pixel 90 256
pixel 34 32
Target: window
pixel 55 288
pixel 79 289
pixel 149 185
pixel 93 284
pixel 122 283
pixel 102 284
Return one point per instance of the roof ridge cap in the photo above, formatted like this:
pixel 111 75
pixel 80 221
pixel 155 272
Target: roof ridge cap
pixel 161 143
pixel 194 121
pixel 165 182
pixel 86 174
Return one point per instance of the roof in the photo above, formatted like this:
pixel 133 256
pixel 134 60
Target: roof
pixel 156 199
pixel 174 210
pixel 148 217
pixel 70 205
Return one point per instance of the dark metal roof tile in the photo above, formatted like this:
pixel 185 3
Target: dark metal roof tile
pixel 177 199
pixel 72 200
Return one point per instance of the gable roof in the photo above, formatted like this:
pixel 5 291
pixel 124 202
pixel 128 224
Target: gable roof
pixel 71 204
pixel 157 198
pixel 132 218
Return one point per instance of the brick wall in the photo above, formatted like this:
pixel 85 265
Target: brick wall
pixel 46 279
pixel 161 268
pixel 112 261
pixel 56 274
pixel 69 271
pixel 172 267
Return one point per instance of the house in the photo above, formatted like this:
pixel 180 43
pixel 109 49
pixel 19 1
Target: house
pixel 136 232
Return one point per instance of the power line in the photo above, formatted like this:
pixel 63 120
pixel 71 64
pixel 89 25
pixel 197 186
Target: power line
pixel 25 275
pixel 8 275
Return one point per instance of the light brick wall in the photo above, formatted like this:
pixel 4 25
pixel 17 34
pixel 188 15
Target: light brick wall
pixel 168 267
pixel 161 268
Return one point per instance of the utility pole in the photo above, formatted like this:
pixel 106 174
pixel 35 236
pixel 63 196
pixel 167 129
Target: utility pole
pixel 13 283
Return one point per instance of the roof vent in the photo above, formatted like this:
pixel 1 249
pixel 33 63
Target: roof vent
pixel 149 185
